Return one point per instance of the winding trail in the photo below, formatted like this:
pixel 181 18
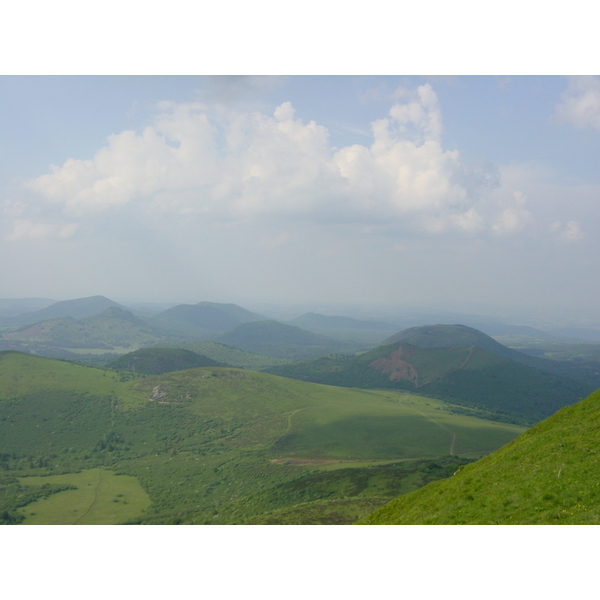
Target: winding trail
pixel 290 418
pixel 443 427
pixel 94 500
pixel 462 364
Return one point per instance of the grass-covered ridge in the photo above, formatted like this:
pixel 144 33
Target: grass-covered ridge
pixel 548 475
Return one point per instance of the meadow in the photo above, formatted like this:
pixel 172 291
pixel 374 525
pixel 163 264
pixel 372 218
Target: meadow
pixel 97 497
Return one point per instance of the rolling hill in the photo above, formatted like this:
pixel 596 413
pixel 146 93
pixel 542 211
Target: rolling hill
pixel 448 336
pixel 214 445
pixel 465 375
pixel 155 361
pixel 272 338
pixel 548 475
pixel 113 328
pixel 204 318
pixel 75 309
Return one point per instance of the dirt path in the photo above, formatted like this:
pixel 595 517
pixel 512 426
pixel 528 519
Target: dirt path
pixel 94 500
pixel 462 364
pixel 466 359
pixel 290 419
pixel 443 427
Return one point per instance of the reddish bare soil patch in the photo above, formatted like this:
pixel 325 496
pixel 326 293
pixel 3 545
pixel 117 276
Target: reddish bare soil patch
pixel 395 367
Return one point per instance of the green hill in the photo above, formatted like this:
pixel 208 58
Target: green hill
pixel 272 338
pixel 215 445
pixel 203 318
pixel 548 475
pixel 155 361
pixel 448 336
pixel 113 328
pixel 469 376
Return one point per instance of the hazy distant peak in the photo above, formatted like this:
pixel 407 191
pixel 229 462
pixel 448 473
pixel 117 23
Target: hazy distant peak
pixel 77 308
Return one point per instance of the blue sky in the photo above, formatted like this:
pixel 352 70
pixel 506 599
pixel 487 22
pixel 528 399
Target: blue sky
pixel 441 191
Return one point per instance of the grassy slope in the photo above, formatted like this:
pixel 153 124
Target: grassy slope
pixel 206 447
pixel 548 475
pixel 22 374
pixel 333 497
pixel 298 419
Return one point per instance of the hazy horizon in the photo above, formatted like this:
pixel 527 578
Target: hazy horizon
pixel 396 191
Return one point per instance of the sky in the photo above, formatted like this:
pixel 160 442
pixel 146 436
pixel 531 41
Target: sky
pixel 448 191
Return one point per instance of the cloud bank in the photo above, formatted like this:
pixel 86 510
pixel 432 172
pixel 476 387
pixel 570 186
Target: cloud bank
pixel 213 163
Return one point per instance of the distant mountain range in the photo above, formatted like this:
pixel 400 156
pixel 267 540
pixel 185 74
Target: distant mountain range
pixel 57 330
pixel 545 476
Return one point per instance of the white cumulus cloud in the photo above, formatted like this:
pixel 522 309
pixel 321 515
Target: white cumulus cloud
pixel 580 104
pixel 212 162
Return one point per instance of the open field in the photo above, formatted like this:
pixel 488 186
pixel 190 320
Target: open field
pixel 386 424
pixel 101 498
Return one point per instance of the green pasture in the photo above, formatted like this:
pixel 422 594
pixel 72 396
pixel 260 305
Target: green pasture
pixel 101 498
pixel 381 424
